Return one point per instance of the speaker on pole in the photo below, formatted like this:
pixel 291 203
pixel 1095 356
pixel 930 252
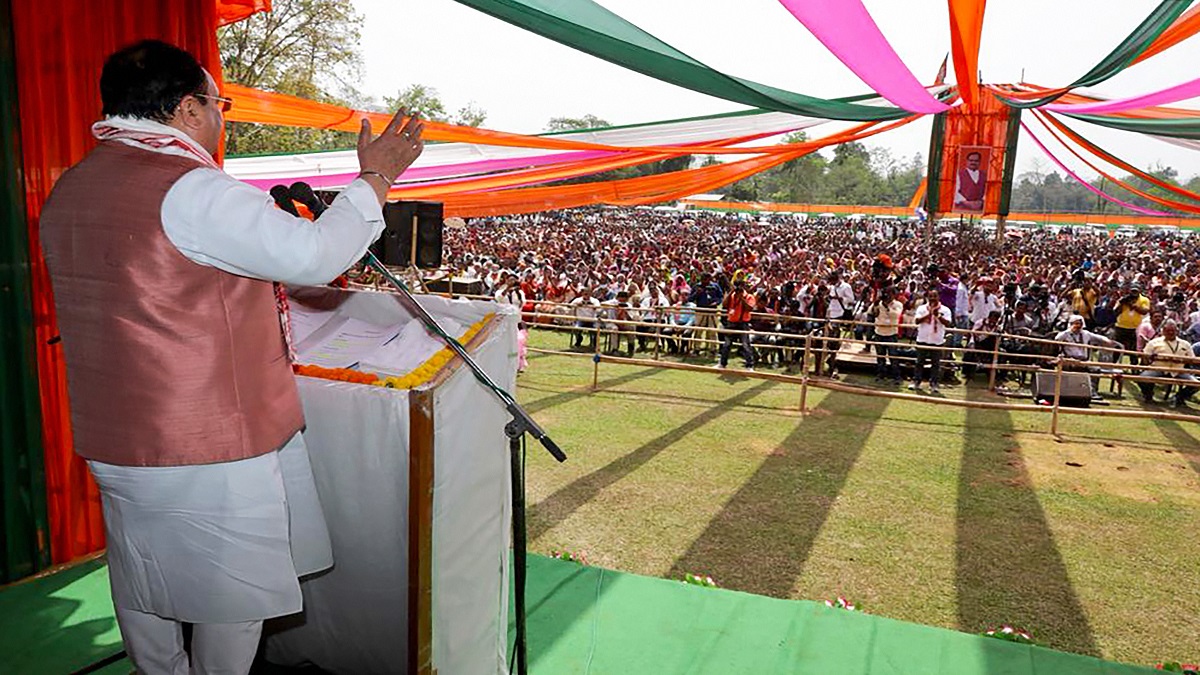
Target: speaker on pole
pixel 412 235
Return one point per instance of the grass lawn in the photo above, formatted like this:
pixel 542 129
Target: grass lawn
pixel 958 518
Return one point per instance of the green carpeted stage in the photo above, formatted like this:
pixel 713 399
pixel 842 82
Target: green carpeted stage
pixel 587 620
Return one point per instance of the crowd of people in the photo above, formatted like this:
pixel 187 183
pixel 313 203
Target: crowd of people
pixel 777 277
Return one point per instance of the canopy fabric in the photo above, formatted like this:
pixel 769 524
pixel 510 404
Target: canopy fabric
pixel 966 33
pixel 1179 92
pixel 449 160
pixel 645 189
pixel 848 31
pixel 1184 27
pixel 1091 188
pixel 1188 128
pixel 1169 203
pixel 588 27
pixel 263 107
pixel 1116 161
pixel 1074 97
pixel 1137 42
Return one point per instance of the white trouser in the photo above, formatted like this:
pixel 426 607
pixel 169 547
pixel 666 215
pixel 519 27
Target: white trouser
pixel 155 645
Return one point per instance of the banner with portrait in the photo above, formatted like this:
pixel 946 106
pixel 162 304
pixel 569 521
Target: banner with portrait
pixel 971 158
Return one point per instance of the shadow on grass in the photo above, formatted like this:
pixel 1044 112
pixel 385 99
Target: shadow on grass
pixel 1183 442
pixel 761 539
pixel 1008 567
pixel 558 506
pixel 568 396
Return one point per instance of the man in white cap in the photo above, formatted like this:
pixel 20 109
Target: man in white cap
pixel 1076 342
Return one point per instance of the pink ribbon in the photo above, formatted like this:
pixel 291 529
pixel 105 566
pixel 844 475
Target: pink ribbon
pixel 848 31
pixel 1179 92
pixel 1096 191
pixel 441 172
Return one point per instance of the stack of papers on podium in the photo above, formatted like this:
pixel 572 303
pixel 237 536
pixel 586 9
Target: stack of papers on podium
pixel 331 340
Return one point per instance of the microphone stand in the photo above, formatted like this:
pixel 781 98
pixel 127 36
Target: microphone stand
pixel 520 424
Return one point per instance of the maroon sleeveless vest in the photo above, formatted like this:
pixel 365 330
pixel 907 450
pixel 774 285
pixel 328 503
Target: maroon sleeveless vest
pixel 169 362
pixel 971 190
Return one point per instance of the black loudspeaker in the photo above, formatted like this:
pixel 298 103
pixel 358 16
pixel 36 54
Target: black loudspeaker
pixel 402 222
pixel 1076 389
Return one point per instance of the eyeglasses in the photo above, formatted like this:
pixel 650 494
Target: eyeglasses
pixel 226 103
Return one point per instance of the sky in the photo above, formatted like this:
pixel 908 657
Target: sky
pixel 522 80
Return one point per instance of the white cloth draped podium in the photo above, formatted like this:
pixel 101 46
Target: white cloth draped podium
pixel 355 615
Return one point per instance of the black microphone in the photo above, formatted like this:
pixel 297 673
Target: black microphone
pixel 283 199
pixel 303 193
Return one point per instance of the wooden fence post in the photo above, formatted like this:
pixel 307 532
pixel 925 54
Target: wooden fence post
pixel 995 364
pixel 1057 393
pixel 804 375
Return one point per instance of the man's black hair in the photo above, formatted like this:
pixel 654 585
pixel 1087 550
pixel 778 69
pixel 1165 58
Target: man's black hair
pixel 148 79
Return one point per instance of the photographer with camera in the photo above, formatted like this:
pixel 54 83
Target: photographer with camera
pixel 738 306
pixel 885 314
pixel 1131 309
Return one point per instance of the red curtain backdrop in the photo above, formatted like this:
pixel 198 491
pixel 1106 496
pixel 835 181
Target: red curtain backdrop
pixel 61 46
pixel 984 124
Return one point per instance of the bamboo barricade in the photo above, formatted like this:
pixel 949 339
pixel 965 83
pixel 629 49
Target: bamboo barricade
pixel 818 325
pixel 608 326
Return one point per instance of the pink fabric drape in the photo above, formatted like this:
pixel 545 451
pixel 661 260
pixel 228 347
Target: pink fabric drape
pixel 1093 189
pixel 848 31
pixel 1179 92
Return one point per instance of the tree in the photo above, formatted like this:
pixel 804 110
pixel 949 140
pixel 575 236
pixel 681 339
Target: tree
pixel 576 123
pixel 306 48
pixel 426 101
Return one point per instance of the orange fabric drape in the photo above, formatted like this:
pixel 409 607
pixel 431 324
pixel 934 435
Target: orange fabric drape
pixel 645 189
pixel 60 48
pixel 1190 208
pixel 1184 27
pixel 265 107
pixel 966 32
pixel 919 195
pixel 232 11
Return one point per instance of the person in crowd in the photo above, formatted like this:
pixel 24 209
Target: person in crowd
pixel 1131 309
pixel 1165 355
pixel 585 308
pixel 885 314
pixel 163 268
pixel 1149 328
pixel 739 305
pixel 932 319
pixel 1075 348
pixel 707 297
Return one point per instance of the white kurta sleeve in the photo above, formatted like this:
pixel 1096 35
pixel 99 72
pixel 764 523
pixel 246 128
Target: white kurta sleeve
pixel 219 221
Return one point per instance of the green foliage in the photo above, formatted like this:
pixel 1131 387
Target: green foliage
pixel 425 100
pixel 576 123
pixel 306 48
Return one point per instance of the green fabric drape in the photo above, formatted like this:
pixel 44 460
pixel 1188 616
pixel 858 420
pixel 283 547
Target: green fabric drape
pixel 1134 44
pixel 1178 127
pixel 590 28
pixel 24 542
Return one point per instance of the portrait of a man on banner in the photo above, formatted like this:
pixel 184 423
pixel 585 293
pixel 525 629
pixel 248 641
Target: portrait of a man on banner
pixel 970 184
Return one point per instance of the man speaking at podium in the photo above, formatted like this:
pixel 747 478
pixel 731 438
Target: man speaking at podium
pixel 181 390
